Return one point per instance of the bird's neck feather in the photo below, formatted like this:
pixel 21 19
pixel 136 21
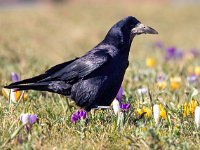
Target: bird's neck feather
pixel 121 41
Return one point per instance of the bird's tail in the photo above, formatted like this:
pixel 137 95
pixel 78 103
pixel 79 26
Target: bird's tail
pixel 29 80
pixel 59 87
pixel 43 86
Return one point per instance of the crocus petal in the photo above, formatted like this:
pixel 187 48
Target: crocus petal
pixel 173 53
pixel 13 96
pixel 32 118
pixel 125 107
pixel 197 70
pixel 161 78
pixel 14 77
pixel 25 96
pixel 82 114
pixel 122 106
pixel 150 62
pixel 175 83
pixel 197 116
pixel 195 52
pixel 77 113
pixel 119 94
pixel 179 54
pixel 192 79
pixel 159 44
pixel 24 118
pixel 170 52
pixel 5 92
pixel 74 118
pixel 142 91
pixel 116 106
pixel 156 113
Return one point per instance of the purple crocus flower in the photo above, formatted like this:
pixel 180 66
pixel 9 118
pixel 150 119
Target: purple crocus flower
pixel 125 107
pixel 28 118
pixel 14 77
pixel 192 79
pixel 161 78
pixel 173 53
pixel 32 118
pixel 195 52
pixel 119 94
pixel 158 44
pixel 170 52
pixel 179 54
pixel 80 114
pixel 74 117
pixel 83 114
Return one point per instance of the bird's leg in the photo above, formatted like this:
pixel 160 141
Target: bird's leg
pixel 87 120
pixel 71 104
pixel 68 105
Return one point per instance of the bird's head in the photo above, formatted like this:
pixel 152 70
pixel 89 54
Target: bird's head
pixel 126 29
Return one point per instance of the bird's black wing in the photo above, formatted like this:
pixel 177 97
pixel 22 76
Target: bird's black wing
pixel 81 67
pixel 60 78
pixel 44 75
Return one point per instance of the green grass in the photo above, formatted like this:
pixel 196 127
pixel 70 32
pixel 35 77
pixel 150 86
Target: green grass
pixel 32 40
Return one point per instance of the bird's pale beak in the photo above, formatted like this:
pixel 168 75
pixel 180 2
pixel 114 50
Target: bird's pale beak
pixel 143 29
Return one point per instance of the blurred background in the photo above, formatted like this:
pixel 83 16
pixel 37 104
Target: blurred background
pixel 36 34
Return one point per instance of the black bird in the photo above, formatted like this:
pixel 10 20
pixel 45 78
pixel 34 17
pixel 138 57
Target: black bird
pixel 94 79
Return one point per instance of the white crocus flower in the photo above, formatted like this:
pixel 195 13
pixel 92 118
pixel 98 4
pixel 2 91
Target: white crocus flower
pixel 13 96
pixel 141 91
pixel 156 113
pixel 197 116
pixel 116 106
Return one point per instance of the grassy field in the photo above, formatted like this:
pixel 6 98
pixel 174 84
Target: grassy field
pixel 33 39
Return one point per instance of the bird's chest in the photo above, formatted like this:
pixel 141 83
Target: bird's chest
pixel 117 67
pixel 114 78
pixel 101 86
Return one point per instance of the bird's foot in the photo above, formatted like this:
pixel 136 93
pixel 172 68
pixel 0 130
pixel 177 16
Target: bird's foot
pixel 103 107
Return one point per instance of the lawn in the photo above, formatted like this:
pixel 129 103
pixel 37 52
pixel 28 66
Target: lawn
pixel 33 39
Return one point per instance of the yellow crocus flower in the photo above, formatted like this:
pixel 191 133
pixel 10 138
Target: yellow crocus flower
pixel 14 96
pixel 161 84
pixel 175 83
pixel 144 109
pixel 25 96
pixel 179 106
pixel 148 112
pixel 150 62
pixel 139 111
pixel 189 108
pixel 193 105
pixel 197 70
pixel 186 110
pixel 163 112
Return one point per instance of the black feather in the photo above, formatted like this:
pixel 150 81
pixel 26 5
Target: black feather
pixel 43 76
